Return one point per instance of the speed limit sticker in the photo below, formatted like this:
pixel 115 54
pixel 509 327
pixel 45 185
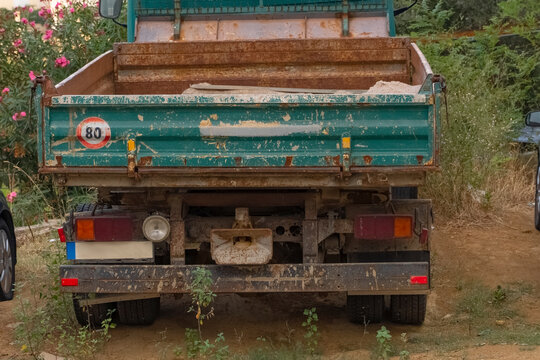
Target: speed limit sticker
pixel 94 132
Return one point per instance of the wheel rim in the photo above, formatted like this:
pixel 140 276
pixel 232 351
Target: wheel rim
pixel 6 268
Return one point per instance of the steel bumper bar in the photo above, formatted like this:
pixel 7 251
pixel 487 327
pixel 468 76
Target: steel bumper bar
pixel 358 278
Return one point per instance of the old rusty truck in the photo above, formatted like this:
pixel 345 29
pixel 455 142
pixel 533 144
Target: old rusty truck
pixel 278 144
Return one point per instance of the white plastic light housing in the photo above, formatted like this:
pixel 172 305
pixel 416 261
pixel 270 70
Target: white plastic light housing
pixel 156 228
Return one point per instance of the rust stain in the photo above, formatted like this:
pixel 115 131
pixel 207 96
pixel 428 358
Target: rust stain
pixel 420 159
pixel 238 161
pixel 289 161
pixel 328 160
pixel 368 159
pixel 336 160
pixel 185 162
pixel 429 163
pixel 145 161
pixel 58 160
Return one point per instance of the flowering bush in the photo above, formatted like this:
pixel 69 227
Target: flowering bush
pixel 58 39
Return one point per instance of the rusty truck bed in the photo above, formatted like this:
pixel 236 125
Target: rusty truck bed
pixel 125 115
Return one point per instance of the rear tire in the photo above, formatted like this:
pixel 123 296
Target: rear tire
pixel 408 309
pixel 7 255
pixel 84 207
pixel 138 312
pixel 365 309
pixel 407 192
pixel 91 315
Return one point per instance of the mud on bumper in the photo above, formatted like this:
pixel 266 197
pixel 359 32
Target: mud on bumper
pixel 358 278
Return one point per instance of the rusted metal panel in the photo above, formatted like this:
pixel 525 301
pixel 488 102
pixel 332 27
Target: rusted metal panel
pixel 162 68
pixel 265 180
pixel 94 78
pixel 372 278
pixel 152 30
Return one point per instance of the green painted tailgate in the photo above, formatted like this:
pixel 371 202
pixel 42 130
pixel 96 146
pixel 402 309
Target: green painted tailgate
pixel 268 131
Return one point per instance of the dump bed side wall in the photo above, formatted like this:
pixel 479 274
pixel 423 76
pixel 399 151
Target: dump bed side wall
pixel 170 68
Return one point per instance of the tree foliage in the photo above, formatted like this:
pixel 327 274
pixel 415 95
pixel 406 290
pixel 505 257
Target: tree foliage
pixel 58 41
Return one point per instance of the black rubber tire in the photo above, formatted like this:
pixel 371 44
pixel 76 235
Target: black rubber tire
pixel 537 198
pixel 138 312
pixel 405 192
pixel 84 207
pixel 10 253
pixel 408 309
pixel 92 315
pixel 365 309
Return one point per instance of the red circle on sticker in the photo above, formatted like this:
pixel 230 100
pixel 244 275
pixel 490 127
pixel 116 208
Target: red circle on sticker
pixel 93 132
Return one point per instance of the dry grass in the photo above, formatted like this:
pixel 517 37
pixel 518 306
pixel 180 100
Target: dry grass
pixel 457 202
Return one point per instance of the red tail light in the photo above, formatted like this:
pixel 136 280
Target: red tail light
pixel 62 235
pixel 118 228
pixel 419 280
pixel 70 282
pixel 383 227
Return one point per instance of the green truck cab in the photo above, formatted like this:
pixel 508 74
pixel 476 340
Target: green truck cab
pixel 277 143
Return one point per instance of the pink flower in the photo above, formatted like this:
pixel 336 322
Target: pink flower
pixel 57 5
pixel 33 24
pixel 24 21
pixel 72 10
pixel 2 30
pixel 18 116
pixel 30 10
pixel 22 51
pixel 61 14
pixel 11 196
pixel 84 5
pixel 17 43
pixel 48 35
pixel 49 11
pixel 42 13
pixel 61 62
pixel 32 75
pixel 5 91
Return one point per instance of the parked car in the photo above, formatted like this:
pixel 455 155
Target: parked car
pixel 530 134
pixel 8 249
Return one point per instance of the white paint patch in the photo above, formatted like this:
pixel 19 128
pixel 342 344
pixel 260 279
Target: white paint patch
pixel 114 250
pixel 140 117
pixel 256 129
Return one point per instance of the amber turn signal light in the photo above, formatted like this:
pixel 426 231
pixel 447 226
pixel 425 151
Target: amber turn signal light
pixel 402 227
pixel 85 229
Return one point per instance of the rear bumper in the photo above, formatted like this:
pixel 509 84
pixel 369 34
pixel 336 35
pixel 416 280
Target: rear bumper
pixel 357 279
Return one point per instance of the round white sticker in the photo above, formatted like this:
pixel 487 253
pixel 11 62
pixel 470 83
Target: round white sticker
pixel 93 132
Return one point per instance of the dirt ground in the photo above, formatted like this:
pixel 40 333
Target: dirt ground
pixel 503 251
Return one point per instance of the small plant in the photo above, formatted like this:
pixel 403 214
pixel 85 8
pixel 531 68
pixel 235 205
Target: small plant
pixel 404 355
pixel 498 296
pixel 311 334
pixel 202 297
pixel 384 348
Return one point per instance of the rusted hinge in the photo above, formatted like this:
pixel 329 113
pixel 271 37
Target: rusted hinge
pixel 177 19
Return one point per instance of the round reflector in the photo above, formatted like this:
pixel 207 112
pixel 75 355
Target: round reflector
pixel 156 228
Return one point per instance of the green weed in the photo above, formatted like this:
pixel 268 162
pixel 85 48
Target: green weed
pixel 384 346
pixel 202 296
pixel 311 334
pixel 45 314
